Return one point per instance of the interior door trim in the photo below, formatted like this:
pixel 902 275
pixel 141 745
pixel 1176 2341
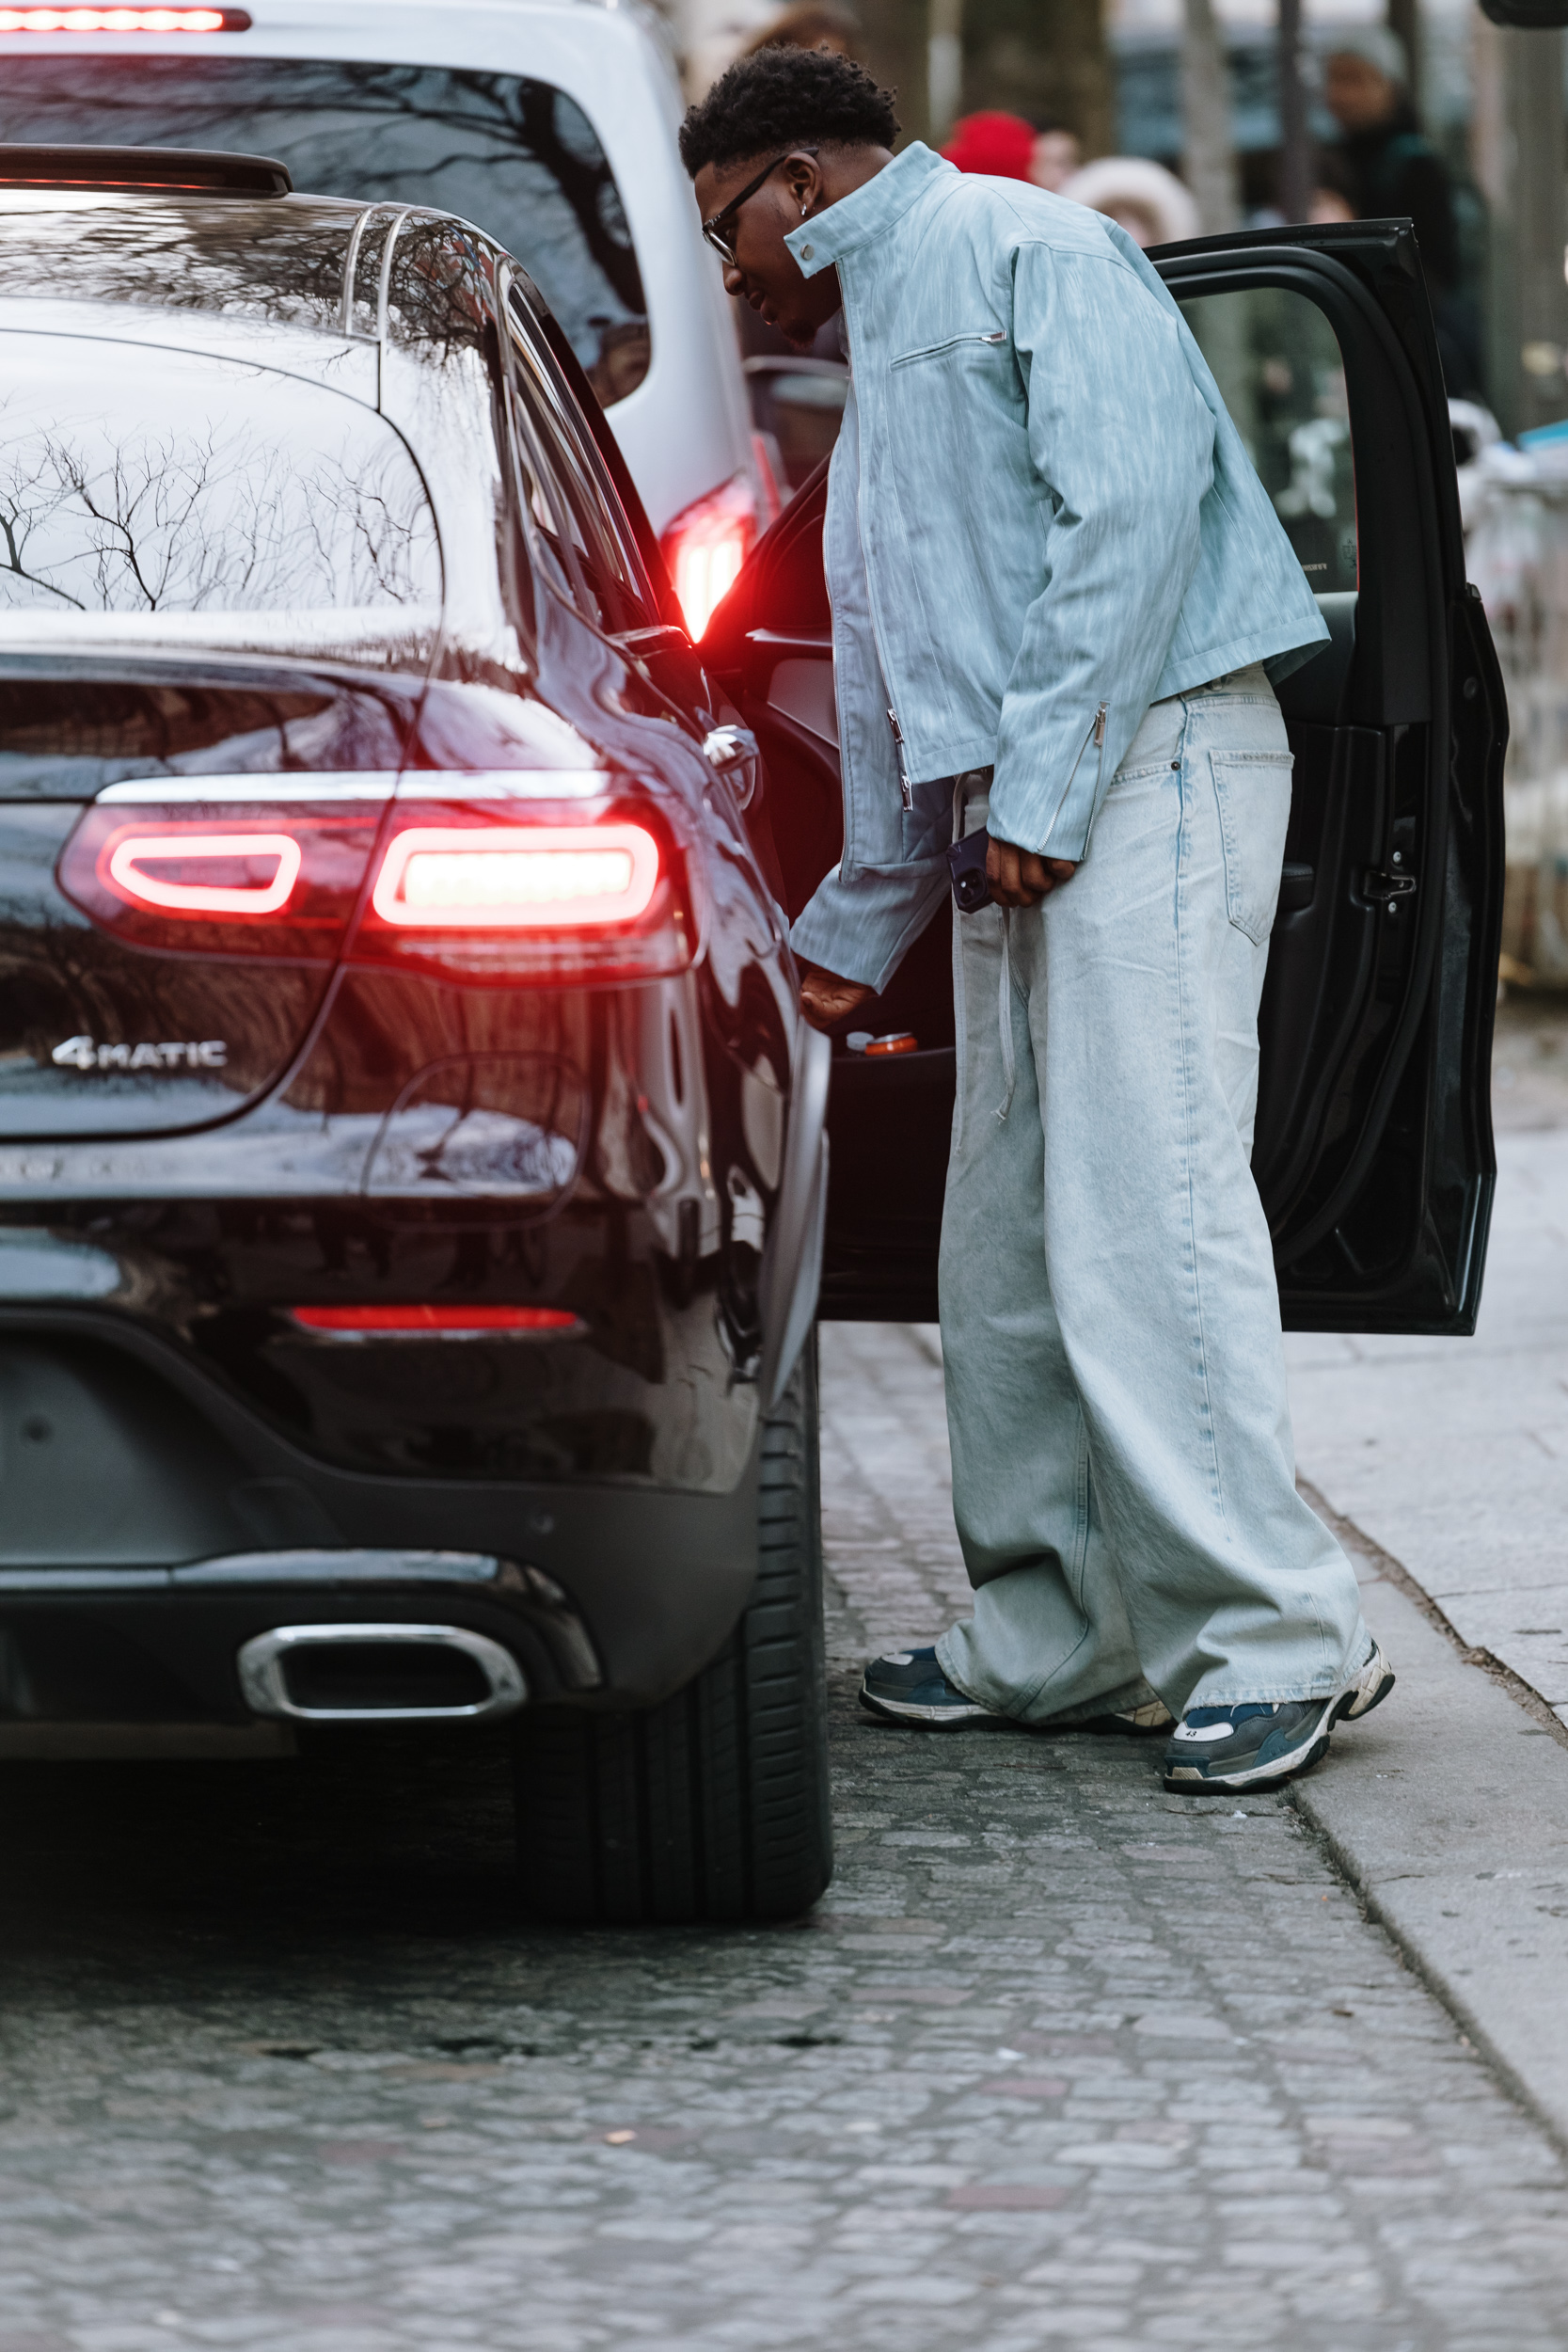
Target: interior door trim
pixel 1415 668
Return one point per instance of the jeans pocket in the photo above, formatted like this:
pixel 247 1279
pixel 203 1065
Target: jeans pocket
pixel 1252 792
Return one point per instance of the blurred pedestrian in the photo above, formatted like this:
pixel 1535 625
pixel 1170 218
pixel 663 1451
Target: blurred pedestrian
pixel 1392 167
pixel 1392 170
pixel 811 24
pixel 1333 192
pixel 1009 147
pixel 1057 582
pixel 1058 154
pixel 998 146
pixel 1142 198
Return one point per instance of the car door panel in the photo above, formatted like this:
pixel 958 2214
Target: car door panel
pixel 769 646
pixel 1373 1150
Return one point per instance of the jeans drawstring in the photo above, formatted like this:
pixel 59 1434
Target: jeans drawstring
pixel 1004 1014
pixel 1004 986
pixel 960 803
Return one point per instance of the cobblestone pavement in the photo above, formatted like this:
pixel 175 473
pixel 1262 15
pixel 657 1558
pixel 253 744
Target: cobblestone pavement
pixel 1060 2059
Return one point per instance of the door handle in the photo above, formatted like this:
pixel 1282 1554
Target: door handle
pixel 733 752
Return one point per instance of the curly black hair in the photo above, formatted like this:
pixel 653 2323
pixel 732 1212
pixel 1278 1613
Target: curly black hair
pixel 784 98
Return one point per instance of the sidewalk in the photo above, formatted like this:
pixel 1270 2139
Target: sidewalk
pixel 1449 1458
pixel 1452 1454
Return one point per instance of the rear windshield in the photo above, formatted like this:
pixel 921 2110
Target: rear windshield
pixel 164 497
pixel 66 730
pixel 513 155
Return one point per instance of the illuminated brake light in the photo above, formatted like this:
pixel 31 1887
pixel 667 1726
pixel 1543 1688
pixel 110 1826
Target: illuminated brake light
pixel 125 20
pixel 496 890
pixel 502 878
pixel 435 1322
pixel 271 878
pixel 705 546
pixel 134 853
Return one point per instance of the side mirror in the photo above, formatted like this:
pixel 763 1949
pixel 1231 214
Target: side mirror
pixel 1527 16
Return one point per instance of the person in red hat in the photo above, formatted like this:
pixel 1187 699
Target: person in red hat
pixel 1001 146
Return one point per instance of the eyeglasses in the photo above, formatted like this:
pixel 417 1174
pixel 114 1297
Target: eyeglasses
pixel 714 230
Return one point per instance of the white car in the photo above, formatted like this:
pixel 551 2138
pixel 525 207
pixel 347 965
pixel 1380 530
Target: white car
pixel 548 123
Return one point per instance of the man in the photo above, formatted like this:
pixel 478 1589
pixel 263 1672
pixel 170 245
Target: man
pixel 1392 170
pixel 1055 584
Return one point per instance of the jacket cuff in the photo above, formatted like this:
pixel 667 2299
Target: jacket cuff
pixel 862 930
pixel 1010 820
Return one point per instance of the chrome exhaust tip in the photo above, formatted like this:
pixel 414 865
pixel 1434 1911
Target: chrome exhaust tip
pixel 379 1673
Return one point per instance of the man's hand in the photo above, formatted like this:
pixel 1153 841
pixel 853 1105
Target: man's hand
pixel 826 1000
pixel 1022 878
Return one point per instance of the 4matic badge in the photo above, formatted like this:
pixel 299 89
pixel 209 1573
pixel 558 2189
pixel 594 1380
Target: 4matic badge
pixel 81 1052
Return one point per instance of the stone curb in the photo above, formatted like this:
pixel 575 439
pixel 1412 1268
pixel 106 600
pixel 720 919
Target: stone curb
pixel 1455 1837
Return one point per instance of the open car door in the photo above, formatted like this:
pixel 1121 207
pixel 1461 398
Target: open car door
pixel 1373 1148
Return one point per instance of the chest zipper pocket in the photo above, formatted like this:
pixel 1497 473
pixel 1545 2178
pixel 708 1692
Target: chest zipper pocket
pixel 954 342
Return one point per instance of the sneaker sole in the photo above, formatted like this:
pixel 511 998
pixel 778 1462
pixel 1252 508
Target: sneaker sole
pixel 1350 1711
pixel 926 1718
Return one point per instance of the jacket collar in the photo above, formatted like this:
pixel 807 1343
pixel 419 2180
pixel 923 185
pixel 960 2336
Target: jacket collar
pixel 870 212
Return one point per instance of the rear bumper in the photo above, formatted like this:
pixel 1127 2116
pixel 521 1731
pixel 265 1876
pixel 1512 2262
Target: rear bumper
pixel 145 1545
pixel 652 1596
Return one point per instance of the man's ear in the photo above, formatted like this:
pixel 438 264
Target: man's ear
pixel 802 177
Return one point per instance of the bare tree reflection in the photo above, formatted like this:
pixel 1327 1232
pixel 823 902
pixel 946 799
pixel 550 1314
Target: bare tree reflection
pixel 283 262
pixel 509 151
pixel 24 508
pixel 222 517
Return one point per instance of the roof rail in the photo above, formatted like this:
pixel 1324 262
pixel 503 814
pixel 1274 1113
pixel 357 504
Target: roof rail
pixel 143 171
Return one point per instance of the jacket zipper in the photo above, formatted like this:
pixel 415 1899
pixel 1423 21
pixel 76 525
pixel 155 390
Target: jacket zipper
pixel 870 610
pixel 1096 736
pixel 905 792
pixel 954 342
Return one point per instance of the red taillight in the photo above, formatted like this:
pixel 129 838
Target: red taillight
pixel 125 20
pixel 705 546
pixel 496 889
pixel 511 893
pixel 242 880
pixel 506 877
pixel 436 1321
pixel 204 873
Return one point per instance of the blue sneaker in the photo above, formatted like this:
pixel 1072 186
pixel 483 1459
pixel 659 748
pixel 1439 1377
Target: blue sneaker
pixel 1259 1746
pixel 909 1687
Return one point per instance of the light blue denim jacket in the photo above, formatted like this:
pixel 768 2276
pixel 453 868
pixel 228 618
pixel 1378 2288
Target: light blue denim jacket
pixel 1040 519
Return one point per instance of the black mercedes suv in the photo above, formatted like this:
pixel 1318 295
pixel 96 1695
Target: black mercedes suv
pixel 414 1183
pixel 411 1162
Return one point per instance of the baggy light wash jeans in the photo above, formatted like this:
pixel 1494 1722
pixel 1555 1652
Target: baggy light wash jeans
pixel 1123 1467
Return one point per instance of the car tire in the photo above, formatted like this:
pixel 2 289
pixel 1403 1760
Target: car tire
pixel 714 1805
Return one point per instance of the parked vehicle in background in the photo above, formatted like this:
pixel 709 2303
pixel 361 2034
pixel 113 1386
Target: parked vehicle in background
pixel 548 123
pixel 411 1158
pixel 797 403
